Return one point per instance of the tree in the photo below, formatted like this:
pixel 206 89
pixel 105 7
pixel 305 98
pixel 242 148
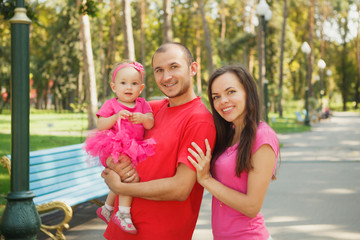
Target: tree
pixel 357 94
pixel 207 37
pixel 285 13
pixel 310 62
pixel 90 80
pixel 142 40
pixel 167 29
pixel 128 31
pixel 110 46
pixel 262 64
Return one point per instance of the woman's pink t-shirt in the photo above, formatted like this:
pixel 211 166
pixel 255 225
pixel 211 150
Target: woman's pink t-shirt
pixel 228 223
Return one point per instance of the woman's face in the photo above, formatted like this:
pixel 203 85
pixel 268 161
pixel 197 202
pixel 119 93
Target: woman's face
pixel 229 98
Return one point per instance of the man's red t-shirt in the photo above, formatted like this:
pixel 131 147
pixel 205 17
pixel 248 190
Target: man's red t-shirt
pixel 175 128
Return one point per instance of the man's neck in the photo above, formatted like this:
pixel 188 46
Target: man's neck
pixel 180 100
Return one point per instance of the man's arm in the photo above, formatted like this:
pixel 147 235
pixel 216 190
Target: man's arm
pixel 176 188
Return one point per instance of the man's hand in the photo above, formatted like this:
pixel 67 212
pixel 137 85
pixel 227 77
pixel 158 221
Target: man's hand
pixel 124 168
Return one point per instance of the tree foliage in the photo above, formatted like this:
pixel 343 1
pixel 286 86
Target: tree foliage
pixel 55 53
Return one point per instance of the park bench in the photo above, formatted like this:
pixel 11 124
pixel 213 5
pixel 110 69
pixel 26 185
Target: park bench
pixel 299 118
pixel 61 178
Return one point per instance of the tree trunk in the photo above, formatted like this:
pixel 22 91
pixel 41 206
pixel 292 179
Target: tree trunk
pixel 198 56
pixel 311 43
pixel 207 38
pixel 357 94
pixel 344 73
pixel 102 58
pixel 167 29
pixel 89 71
pixel 223 30
pixel 80 87
pixel 252 31
pixel 142 40
pixel 110 48
pixel 128 32
pixel 282 57
pixel 262 68
pixel 80 80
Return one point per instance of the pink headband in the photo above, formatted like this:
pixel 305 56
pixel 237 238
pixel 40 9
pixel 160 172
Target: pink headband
pixel 135 65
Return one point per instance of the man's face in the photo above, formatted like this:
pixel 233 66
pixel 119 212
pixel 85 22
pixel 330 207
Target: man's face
pixel 173 75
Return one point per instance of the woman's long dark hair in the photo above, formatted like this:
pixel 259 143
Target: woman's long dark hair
pixel 225 130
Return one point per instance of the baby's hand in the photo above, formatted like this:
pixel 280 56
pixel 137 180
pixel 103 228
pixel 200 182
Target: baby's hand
pixel 124 114
pixel 136 118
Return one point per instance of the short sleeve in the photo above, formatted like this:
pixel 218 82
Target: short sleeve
pixel 196 132
pixel 145 106
pixel 156 105
pixel 106 109
pixel 266 135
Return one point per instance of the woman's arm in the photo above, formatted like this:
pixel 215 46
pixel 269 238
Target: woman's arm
pixel 259 179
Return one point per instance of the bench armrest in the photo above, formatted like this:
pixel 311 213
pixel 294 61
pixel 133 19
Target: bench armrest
pixel 5 161
pixel 68 212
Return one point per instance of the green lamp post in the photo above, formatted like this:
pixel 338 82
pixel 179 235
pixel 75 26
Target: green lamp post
pixel 20 219
pixel 263 10
pixel 305 48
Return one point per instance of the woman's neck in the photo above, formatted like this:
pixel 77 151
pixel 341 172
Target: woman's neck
pixel 238 130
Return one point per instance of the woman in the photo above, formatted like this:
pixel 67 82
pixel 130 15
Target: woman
pixel 244 157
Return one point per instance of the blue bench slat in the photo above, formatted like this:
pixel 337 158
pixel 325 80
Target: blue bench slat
pixel 57 172
pixel 62 174
pixel 45 166
pixel 56 150
pixel 73 162
pixel 94 172
pixel 56 157
pixel 67 184
pixel 68 195
pixel 69 191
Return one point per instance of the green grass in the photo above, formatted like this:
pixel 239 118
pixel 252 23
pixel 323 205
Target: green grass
pixel 4 187
pixel 286 124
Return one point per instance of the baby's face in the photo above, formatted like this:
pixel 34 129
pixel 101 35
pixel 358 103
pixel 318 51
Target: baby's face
pixel 127 84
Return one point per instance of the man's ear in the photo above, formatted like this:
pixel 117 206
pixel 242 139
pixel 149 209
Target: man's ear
pixel 193 68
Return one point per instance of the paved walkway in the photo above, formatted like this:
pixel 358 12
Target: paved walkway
pixel 316 196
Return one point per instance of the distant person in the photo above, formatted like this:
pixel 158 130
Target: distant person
pixel 121 123
pixel 244 159
pixel 167 200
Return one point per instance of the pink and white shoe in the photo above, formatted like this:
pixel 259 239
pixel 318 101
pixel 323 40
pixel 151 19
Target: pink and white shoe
pixel 104 214
pixel 123 220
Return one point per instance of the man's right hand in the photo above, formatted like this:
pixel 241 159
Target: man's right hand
pixel 124 168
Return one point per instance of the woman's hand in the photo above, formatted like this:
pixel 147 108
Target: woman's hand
pixel 202 163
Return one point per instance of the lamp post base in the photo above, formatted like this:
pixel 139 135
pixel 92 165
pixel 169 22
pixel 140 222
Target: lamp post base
pixel 20 219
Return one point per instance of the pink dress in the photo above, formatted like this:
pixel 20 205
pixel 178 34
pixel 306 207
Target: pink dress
pixel 123 138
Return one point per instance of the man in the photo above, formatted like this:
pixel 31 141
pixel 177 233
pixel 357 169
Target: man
pixel 167 200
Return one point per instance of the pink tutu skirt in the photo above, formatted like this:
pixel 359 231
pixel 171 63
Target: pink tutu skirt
pixel 106 143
